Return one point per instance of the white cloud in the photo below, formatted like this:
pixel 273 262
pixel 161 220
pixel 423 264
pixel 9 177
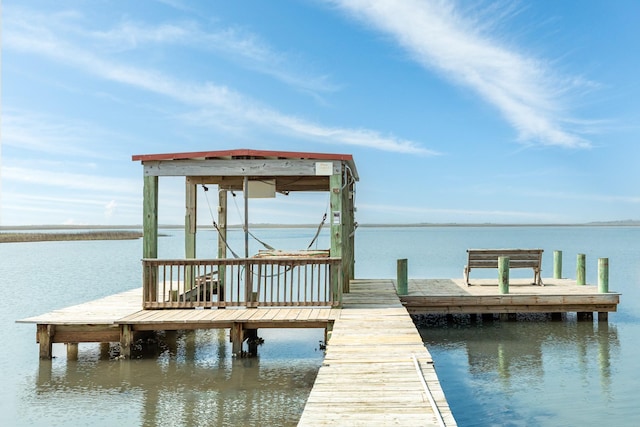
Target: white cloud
pixel 212 99
pixel 27 130
pixel 71 181
pixel 441 37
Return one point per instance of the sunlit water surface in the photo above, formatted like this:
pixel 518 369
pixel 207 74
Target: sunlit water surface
pixel 534 371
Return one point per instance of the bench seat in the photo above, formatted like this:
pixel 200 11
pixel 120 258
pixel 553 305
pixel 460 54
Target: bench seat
pixel 518 258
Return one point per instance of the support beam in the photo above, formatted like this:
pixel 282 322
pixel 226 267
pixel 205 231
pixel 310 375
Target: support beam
pixel 190 228
pixel 45 335
pixel 237 338
pixel 126 339
pixel 222 239
pixel 150 220
pixel 335 187
pixel 150 236
pixel 222 223
pixel 72 351
pixel 190 219
pixel 352 229
pixel 252 342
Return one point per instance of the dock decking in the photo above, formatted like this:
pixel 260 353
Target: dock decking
pixel 453 296
pixel 376 369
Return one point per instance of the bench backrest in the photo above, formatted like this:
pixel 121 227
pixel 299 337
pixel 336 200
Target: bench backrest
pixel 518 258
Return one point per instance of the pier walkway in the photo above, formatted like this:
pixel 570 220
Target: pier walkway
pixel 376 370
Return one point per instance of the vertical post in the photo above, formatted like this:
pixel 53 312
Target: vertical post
pixel 72 351
pixel 126 339
pixel 190 226
pixel 150 235
pixel 245 192
pixel 248 286
pixel 335 188
pixel 581 274
pixel 45 338
pixel 603 275
pixel 150 220
pixel 222 239
pixel 222 223
pixel 402 276
pixel 352 231
pixel 503 274
pixel 557 264
pixel 237 337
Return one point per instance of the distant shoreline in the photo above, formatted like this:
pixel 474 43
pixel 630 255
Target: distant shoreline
pixel 47 237
pixel 111 229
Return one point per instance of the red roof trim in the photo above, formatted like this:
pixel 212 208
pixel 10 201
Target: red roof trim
pixel 241 153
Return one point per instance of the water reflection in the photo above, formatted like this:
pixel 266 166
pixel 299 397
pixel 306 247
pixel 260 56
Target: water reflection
pixel 188 378
pixel 533 356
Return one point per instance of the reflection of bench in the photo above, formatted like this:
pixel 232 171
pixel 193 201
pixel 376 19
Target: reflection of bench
pixel 518 258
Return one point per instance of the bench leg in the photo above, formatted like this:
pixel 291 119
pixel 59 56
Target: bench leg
pixel 466 275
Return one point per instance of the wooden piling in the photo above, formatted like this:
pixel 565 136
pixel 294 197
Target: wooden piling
pixel 126 339
pixel 603 275
pixel 402 275
pixel 503 274
pixel 45 334
pixel 237 338
pixel 72 351
pixel 557 264
pixel 252 342
pixel 581 274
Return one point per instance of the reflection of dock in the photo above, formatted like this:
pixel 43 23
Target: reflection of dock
pixel 450 296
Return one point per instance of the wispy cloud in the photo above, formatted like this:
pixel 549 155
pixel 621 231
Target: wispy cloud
pixel 236 44
pixel 28 130
pixel 209 98
pixel 71 181
pixel 468 51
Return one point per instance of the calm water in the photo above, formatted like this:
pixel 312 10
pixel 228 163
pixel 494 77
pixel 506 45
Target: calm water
pixel 529 372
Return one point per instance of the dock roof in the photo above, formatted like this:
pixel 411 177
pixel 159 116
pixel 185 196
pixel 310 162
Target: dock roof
pixel 292 171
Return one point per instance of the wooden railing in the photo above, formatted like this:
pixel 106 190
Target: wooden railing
pixel 252 282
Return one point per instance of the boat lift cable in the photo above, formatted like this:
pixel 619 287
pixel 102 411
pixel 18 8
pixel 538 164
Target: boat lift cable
pixel 246 228
pixel 324 219
pixel 434 405
pixel 215 225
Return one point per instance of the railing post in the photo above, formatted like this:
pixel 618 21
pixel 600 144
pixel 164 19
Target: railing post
pixel 402 277
pixel 503 274
pixel 603 275
pixel 557 264
pixel 335 279
pixel 581 276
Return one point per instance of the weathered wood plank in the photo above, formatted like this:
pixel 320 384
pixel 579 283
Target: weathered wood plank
pixel 250 167
pixel 368 376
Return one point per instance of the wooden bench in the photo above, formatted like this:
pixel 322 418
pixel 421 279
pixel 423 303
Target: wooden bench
pixel 518 258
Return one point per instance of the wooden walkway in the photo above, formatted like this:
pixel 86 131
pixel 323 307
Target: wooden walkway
pixel 376 370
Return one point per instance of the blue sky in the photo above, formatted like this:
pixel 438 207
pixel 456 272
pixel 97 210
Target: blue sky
pixel 454 111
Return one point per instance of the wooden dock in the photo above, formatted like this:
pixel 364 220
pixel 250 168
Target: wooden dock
pixel 453 296
pixel 376 370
